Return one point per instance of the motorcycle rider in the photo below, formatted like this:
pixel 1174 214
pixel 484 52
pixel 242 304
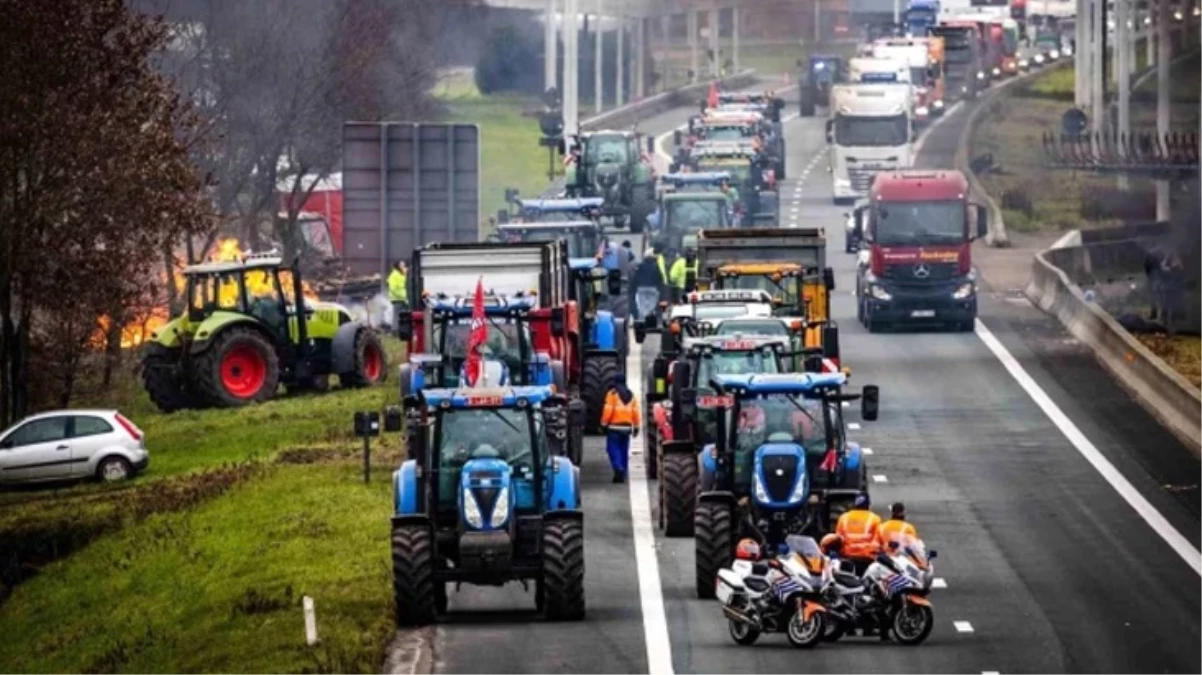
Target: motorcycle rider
pixel 896 527
pixel 858 528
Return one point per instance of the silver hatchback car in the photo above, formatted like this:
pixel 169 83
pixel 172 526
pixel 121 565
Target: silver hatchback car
pixel 72 444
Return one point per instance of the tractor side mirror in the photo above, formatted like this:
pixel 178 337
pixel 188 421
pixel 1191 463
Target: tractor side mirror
pixel 557 324
pixel 393 419
pixel 830 131
pixel 682 375
pixel 615 282
pixel 982 221
pixel 502 216
pixel 870 403
pixel 678 137
pixel 650 144
pixel 828 278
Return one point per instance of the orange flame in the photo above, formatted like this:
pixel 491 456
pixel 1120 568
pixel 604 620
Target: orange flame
pixel 258 284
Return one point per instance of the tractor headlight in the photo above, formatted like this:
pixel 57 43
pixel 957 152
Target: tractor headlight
pixel 803 486
pixel 980 74
pixel 922 111
pixel 471 510
pixel 500 509
pixel 880 293
pixel 1067 51
pixel 1038 58
pixel 997 72
pixel 938 104
pixel 1024 64
pixel 966 290
pixel 1055 54
pixel 761 494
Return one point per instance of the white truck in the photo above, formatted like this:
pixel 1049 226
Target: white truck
pixel 915 53
pixel 893 70
pixel 870 131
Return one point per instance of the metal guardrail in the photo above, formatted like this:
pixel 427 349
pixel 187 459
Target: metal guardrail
pixel 1162 391
pixel 1145 153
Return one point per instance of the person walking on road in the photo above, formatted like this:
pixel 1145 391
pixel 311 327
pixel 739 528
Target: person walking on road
pixel 398 291
pixel 620 418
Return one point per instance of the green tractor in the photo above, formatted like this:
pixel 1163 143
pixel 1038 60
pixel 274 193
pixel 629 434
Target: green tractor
pixel 239 339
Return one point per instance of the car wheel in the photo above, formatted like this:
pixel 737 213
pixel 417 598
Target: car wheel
pixel 113 469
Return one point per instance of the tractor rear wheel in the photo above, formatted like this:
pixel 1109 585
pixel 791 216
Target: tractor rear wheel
pixel 678 490
pixel 650 448
pixel 371 364
pixel 598 374
pixel 167 389
pixel 240 367
pixel 413 587
pixel 563 570
pixel 713 542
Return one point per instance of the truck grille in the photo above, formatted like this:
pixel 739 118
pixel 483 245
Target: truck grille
pixel 780 472
pixel 914 273
pixel 862 178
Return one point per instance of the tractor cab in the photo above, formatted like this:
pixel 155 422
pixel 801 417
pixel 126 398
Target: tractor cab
pixel 509 355
pixel 584 238
pixel 684 214
pixel 612 166
pixel 767 103
pixel 781 462
pixel 485 500
pixel 753 173
pixel 821 72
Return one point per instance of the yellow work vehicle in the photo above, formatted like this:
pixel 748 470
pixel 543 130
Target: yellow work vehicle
pixel 788 263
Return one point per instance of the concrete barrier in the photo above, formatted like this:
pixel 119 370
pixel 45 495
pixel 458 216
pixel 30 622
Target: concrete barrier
pixel 629 114
pixel 1162 391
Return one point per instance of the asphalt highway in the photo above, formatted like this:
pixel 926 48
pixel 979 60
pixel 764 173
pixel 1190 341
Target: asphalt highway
pixel 995 440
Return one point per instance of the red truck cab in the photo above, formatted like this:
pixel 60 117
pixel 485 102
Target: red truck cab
pixel 916 261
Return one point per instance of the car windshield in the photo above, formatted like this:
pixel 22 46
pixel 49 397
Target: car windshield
pixel 577 246
pixel 607 149
pixel 502 343
pixel 719 311
pixel 883 131
pixel 772 328
pixel 782 418
pixel 690 215
pixel 919 223
pixel 734 362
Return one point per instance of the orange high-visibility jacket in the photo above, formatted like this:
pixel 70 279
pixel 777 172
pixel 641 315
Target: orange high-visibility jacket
pixel 618 414
pixel 858 529
pixel 894 530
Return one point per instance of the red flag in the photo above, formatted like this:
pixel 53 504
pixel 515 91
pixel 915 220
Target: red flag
pixel 711 99
pixel 479 335
pixel 830 462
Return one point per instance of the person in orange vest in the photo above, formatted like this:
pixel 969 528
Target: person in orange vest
pixel 896 528
pixel 620 417
pixel 858 529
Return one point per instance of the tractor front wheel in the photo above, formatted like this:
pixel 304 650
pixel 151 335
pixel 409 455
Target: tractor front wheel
pixel 413 588
pixel 678 490
pixel 599 373
pixel 563 570
pixel 164 384
pixel 713 537
pixel 370 362
pixel 240 367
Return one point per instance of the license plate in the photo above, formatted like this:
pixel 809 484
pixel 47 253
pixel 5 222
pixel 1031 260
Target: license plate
pixel 922 314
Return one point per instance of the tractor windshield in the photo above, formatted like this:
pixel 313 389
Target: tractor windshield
pixel 769 327
pixel 579 246
pixel 740 171
pixel 732 362
pixel 727 132
pixel 504 343
pixel 486 433
pixel 607 150
pixel 691 215
pixel 712 310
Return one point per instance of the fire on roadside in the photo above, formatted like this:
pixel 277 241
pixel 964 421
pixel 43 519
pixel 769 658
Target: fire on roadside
pixel 258 284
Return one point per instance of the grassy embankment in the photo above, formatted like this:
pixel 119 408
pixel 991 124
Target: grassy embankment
pixel 1036 197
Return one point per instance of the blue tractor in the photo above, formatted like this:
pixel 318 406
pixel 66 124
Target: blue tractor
pixel 921 16
pixel 781 464
pixel 821 73
pixel 483 500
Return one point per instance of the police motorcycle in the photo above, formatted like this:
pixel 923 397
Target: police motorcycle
pixel 891 595
pixel 779 594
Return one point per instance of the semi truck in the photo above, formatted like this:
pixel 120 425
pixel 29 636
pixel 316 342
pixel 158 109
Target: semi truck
pixel 963 76
pixel 926 75
pixel 918 227
pixel 870 131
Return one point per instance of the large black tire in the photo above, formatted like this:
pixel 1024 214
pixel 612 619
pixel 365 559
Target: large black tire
pixel 598 374
pixel 167 389
pixel 926 617
pixel 651 450
pixel 713 537
pixel 563 570
pixel 370 361
pixel 240 367
pixel 678 494
pixel 413 588
pixel 576 440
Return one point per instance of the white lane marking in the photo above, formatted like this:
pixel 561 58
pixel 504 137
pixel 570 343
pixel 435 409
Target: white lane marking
pixel 854 426
pixel 990 672
pixel 880 478
pixel 1162 527
pixel 846 404
pixel 962 626
pixel 651 596
pixel 938 582
pixel 866 451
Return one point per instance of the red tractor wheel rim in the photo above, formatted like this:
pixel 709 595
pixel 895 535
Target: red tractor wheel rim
pixel 243 371
pixel 373 363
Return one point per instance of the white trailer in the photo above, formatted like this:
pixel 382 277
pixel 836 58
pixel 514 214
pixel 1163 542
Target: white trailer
pixel 870 131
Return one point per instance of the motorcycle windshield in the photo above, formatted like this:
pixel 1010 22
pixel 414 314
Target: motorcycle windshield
pixel 914 548
pixel 807 550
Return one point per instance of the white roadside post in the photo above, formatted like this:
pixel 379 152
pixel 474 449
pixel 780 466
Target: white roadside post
pixel 715 50
pixel 620 70
pixel 1122 58
pixel 694 63
pixel 1163 45
pixel 734 38
pixel 571 72
pixel 310 622
pixel 550 40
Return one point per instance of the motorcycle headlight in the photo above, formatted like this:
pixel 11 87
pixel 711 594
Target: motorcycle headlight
pixel 965 291
pixel 761 494
pixel 471 510
pixel 799 492
pixel 880 293
pixel 500 511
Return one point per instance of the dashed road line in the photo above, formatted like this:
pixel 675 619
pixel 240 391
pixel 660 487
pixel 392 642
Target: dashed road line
pixel 880 478
pixel 938 582
pixel 866 451
pixel 962 626
pixel 854 426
